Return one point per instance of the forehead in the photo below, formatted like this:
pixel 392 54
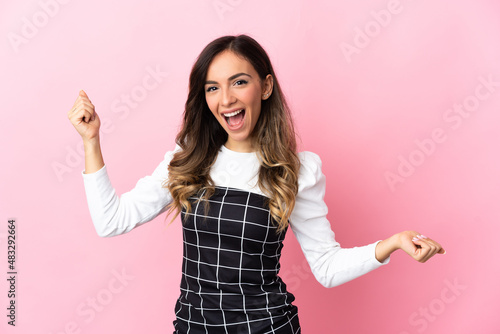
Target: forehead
pixel 226 64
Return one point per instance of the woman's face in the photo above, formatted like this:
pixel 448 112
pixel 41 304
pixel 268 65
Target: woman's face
pixel 234 93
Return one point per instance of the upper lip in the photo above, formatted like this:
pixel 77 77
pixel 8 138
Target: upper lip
pixel 232 110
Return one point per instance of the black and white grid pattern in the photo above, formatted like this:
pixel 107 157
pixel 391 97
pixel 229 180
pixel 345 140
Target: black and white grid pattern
pixel 230 281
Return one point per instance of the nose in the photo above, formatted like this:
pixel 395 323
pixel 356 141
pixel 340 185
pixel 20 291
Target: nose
pixel 227 97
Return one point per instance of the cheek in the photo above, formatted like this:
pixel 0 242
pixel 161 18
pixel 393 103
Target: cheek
pixel 252 97
pixel 257 103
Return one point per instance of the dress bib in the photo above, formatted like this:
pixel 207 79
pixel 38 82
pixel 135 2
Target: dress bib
pixel 231 261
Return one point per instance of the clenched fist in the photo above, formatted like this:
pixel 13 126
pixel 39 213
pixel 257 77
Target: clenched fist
pixel 84 118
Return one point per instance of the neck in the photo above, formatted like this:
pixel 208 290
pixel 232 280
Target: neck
pixel 243 147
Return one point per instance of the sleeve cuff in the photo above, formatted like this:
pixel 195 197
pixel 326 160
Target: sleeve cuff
pixel 94 174
pixel 386 261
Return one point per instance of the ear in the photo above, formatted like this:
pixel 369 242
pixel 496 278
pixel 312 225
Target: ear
pixel 267 87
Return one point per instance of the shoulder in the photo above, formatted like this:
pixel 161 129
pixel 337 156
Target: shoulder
pixel 309 160
pixel 310 173
pixel 161 170
pixel 170 153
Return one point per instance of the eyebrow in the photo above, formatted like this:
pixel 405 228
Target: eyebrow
pixel 209 82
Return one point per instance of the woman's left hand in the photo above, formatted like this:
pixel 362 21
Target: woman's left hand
pixel 418 246
pixel 414 244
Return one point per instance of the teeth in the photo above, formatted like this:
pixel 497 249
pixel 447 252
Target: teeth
pixel 234 113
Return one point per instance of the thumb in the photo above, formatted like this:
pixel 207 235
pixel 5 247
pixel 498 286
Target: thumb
pixel 417 245
pixel 82 93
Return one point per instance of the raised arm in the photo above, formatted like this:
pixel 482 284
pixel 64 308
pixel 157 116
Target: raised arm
pixel 87 123
pixel 112 214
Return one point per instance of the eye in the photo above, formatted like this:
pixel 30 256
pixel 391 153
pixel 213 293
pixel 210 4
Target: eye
pixel 209 89
pixel 240 82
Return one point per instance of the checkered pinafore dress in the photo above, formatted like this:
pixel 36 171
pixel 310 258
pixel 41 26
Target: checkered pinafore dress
pixel 230 281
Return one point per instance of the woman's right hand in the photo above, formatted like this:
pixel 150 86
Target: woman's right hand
pixel 84 118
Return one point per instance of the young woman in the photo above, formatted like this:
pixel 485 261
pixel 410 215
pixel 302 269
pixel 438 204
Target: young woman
pixel 239 183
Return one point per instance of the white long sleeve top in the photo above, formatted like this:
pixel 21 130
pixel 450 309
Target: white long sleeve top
pixel 331 264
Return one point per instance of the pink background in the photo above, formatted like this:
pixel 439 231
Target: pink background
pixel 383 106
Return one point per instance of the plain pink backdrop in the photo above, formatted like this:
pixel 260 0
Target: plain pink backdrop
pixel 376 88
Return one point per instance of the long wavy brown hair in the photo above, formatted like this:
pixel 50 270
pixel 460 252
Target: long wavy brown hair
pixel 201 138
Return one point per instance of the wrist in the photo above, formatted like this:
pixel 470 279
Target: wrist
pixel 395 242
pixel 91 144
pixel 386 247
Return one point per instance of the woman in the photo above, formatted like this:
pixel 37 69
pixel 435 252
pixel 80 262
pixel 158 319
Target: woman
pixel 239 183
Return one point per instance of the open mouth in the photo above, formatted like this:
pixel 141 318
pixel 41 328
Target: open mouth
pixel 235 118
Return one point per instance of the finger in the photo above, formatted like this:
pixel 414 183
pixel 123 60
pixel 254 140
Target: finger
pixel 82 98
pixel 417 249
pixel 432 250
pixel 82 116
pixel 76 112
pixel 82 93
pixel 422 250
pixel 84 104
pixel 439 248
pixel 90 108
pixel 429 248
pixel 436 247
